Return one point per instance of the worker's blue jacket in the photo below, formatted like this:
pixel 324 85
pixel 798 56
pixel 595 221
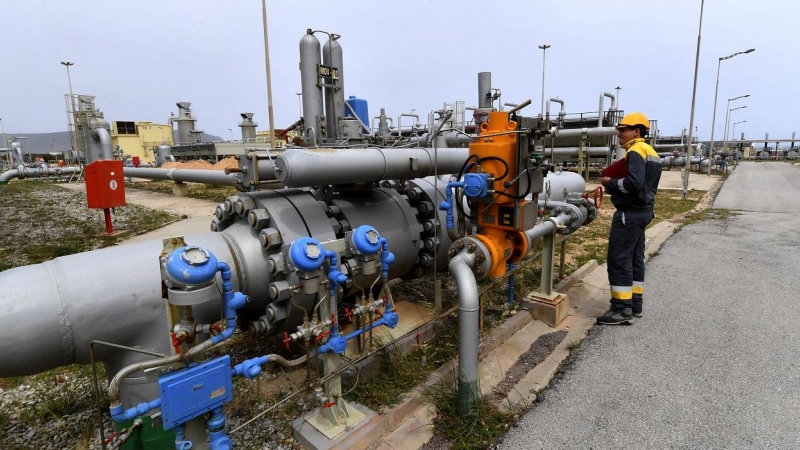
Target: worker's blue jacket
pixel 637 191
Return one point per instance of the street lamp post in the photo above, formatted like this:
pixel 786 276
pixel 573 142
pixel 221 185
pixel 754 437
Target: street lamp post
pixel 544 48
pixel 733 133
pixel 725 137
pixel 714 115
pixel 269 76
pixel 71 102
pixel 231 130
pixel 691 115
pixel 727 114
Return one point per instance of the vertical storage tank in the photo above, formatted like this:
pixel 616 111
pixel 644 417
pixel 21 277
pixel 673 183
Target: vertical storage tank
pixel 310 60
pixel 359 105
pixel 334 89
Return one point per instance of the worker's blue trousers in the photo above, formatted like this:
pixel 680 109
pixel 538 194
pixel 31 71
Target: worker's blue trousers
pixel 626 257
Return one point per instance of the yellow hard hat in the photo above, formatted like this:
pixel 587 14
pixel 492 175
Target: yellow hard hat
pixel 633 119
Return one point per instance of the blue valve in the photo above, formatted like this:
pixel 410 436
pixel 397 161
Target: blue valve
pixel 447 203
pixel 336 344
pixel 387 258
pixel 250 368
pixel 335 276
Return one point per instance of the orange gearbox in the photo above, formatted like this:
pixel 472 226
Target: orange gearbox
pixel 501 214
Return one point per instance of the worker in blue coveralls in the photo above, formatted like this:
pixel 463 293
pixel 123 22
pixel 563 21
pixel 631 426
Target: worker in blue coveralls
pixel 634 197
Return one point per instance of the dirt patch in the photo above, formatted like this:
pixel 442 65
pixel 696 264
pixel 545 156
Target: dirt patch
pixel 227 163
pixel 196 164
pixel 538 351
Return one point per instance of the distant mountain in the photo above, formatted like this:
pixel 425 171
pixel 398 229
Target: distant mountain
pixel 59 141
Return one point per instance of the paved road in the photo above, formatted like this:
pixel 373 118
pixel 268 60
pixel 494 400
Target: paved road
pixel 715 362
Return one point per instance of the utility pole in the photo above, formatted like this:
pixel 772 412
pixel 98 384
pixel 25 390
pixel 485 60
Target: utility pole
pixel 544 48
pixel 691 116
pixel 71 100
pixel 269 77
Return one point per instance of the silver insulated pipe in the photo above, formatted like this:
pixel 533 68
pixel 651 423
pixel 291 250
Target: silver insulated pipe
pixel 334 89
pixel 102 134
pixel 215 177
pixel 16 154
pixel 322 166
pixel 24 172
pixel 310 60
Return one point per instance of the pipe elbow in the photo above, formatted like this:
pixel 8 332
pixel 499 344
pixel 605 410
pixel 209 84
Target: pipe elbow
pixel 461 270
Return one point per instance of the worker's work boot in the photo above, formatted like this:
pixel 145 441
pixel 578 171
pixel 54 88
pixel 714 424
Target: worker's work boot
pixel 617 315
pixel 636 305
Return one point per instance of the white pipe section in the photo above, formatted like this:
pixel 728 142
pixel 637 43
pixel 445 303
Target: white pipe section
pixel 558 184
pixel 468 325
pixel 578 132
pixel 400 117
pixel 102 135
pixel 216 177
pixel 600 110
pixel 561 113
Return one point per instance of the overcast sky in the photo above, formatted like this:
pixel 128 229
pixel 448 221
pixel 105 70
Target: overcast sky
pixel 141 57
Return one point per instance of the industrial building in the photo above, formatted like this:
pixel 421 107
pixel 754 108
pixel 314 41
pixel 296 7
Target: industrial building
pixel 139 139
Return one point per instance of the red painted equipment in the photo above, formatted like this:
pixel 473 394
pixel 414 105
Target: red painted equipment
pixel 105 187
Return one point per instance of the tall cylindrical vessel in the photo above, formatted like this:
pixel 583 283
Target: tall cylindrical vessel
pixel 334 95
pixel 485 89
pixel 310 60
pixel 248 127
pixel 185 123
pixel 162 152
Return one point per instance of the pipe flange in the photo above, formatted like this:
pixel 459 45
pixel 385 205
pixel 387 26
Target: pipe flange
pixel 472 245
pixel 587 209
pixel 575 218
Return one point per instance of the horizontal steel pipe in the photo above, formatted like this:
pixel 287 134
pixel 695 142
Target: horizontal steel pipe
pixel 574 151
pixel 578 132
pixel 8 175
pixel 322 166
pixel 216 177
pixel 76 302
